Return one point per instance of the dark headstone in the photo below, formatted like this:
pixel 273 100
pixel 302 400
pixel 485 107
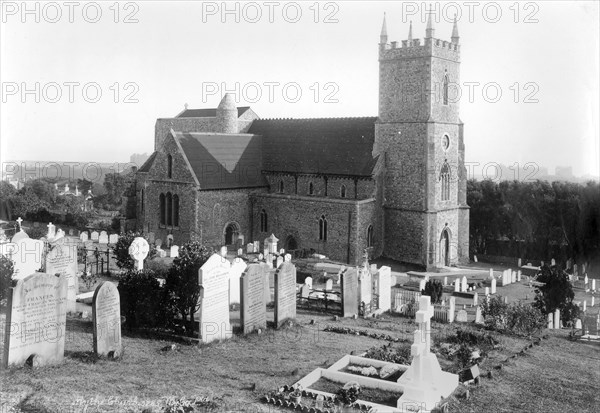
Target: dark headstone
pixel 253 308
pixel 349 292
pixel 285 293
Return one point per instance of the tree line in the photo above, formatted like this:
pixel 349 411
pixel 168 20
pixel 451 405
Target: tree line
pixel 535 219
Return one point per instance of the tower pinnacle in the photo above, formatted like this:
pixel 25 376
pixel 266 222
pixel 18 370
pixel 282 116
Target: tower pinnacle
pixel 429 30
pixel 383 37
pixel 455 37
pixel 410 32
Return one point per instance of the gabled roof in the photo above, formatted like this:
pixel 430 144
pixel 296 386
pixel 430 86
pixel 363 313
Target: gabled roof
pixel 148 164
pixel 207 113
pixel 222 161
pixel 338 146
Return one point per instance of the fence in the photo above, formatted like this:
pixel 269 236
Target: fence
pixel 407 304
pixel 94 261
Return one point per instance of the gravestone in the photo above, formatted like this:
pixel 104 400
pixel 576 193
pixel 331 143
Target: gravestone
pixel 271 244
pixel 493 286
pixel 349 285
pixel 287 258
pixel 223 251
pixel 550 321
pixel 584 306
pixel 593 284
pixel 445 281
pixel 281 251
pixel 463 287
pixel 487 291
pixel 113 239
pixel 285 293
pixel 174 253
pixel 552 262
pixel 329 284
pixel 557 323
pixel 519 262
pixel 138 251
pixel 71 232
pixel 593 301
pixel 237 268
pixel 51 231
pixel 475 300
pixel 94 236
pixel 37 308
pixel 213 278
pixel 106 316
pixel 578 324
pixel 365 285
pixel 239 251
pixel 451 309
pixel 422 285
pixel 103 238
pixel 491 273
pixel 279 261
pixel 513 276
pixel 519 275
pixel 256 246
pixel 27 255
pixel 457 285
pixel 478 316
pixel 424 383
pixel 62 259
pixel 250 249
pixel 268 284
pixel 461 316
pixel 19 236
pixel 83 236
pixel 384 285
pixel 253 308
pixel 309 281
pixel 260 257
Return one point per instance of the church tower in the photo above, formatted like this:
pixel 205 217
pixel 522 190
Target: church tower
pixel 420 135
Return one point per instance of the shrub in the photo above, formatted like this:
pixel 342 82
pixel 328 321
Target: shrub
pixel 7 267
pixel 398 355
pixel 556 293
pixel 37 232
pixel 434 289
pixel 494 312
pixel 517 318
pixel 182 280
pixel 143 302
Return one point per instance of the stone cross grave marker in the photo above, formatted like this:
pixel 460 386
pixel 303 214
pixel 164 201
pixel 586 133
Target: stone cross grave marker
pixel 37 308
pixel 62 259
pixel 285 293
pixel 253 308
pixel 349 283
pixel 106 316
pixel 213 278
pixel 138 251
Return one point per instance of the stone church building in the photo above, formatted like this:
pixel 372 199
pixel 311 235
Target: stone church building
pixel 393 184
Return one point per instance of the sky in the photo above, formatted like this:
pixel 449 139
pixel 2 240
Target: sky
pixel 86 81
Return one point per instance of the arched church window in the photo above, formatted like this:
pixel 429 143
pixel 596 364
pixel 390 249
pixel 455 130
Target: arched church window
pixel 445 89
pixel 162 207
pixel 264 224
pixel 343 191
pixel 169 166
pixel 445 180
pixel 322 228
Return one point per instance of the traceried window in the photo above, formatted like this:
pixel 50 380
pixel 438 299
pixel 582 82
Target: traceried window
pixel 264 223
pixel 162 209
pixel 445 181
pixel 281 187
pixel 169 166
pixel 343 191
pixel 322 228
pixel 175 210
pixel 445 91
pixel 370 236
pixel 169 209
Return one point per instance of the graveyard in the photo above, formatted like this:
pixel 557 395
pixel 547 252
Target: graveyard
pixel 280 333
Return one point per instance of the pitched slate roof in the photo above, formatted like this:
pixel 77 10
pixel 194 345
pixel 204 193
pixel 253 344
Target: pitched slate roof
pixel 340 146
pixel 222 161
pixel 207 113
pixel 148 164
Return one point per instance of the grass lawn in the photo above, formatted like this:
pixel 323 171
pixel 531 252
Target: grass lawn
pixel 556 376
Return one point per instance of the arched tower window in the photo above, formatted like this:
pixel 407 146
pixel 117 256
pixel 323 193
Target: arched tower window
pixel 311 188
pixel 280 187
pixel 370 236
pixel 175 210
pixel 264 224
pixel 162 209
pixel 445 89
pixel 343 191
pixel 322 228
pixel 445 180
pixel 169 202
pixel 169 166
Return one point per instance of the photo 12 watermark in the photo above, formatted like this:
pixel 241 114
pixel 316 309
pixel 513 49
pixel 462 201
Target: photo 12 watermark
pixel 270 12
pixel 273 92
pixel 71 92
pixel 69 12
pixel 471 11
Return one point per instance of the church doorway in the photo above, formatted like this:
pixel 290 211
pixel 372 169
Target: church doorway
pixel 445 248
pixel 291 244
pixel 232 231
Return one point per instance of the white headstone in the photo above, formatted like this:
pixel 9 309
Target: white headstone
pixel 487 291
pixel 281 251
pixel 223 251
pixel 95 236
pixel 584 306
pixel 463 287
pixel 457 285
pixel 103 238
pixel 51 231
pixel 475 299
pixel 550 321
pixel 593 301
pixel 62 259
pixel 138 251
pixel 552 262
pixel 250 249
pixel 237 269
pixel 461 316
pixel 27 256
pixel 513 274
pixel 113 238
pixel 213 277
pixel 83 236
pixel 491 273
pixel 19 236
pixel 478 316
pixel 593 284
pixel 578 324
pixel 287 258
pixel 493 286
pixel 385 288
pixel 421 285
pixel 174 253
pixel 279 261
pixel 240 252
pixel 309 281
pixel 557 323
pixel 106 316
pixel 445 281
pixel 519 275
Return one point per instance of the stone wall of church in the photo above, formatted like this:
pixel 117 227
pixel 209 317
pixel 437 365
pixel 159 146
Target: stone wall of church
pixel 298 217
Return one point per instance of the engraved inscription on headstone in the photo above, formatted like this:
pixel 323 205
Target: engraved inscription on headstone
pixel 253 309
pixel 285 293
pixel 106 314
pixel 213 278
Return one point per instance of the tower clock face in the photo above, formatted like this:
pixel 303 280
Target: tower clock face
pixel 445 142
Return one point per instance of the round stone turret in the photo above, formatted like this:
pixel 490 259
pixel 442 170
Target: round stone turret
pixel 227 115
